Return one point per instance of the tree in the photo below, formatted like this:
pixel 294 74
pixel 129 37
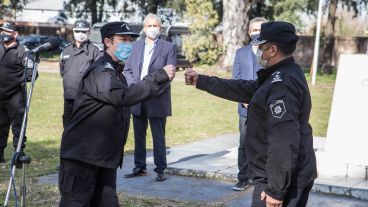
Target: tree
pixel 201 45
pixel 145 6
pixel 235 20
pixel 329 37
pixel 9 8
pixel 96 9
pixel 357 6
pixel 287 10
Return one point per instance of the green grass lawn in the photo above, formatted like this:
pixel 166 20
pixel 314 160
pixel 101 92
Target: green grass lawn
pixel 196 115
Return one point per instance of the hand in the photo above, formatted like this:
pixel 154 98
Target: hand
pixel 270 202
pixel 191 77
pixel 170 70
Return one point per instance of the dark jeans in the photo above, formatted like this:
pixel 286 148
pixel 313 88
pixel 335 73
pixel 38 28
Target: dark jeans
pixel 243 174
pixel 86 185
pixel 140 124
pixel 11 114
pixel 296 197
pixel 68 109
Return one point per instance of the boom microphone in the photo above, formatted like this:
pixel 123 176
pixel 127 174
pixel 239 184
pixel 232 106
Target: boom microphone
pixel 50 44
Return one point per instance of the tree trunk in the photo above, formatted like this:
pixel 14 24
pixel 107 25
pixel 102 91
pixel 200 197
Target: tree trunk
pixel 330 38
pixel 93 8
pixel 152 6
pixel 101 10
pixel 234 32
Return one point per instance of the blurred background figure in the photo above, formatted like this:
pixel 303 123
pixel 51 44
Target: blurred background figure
pixel 74 61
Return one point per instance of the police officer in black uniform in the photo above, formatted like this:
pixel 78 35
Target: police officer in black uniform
pixel 279 141
pixel 74 61
pixel 15 69
pixel 93 142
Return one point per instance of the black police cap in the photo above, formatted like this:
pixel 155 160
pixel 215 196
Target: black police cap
pixel 113 28
pixel 9 26
pixel 81 25
pixel 279 32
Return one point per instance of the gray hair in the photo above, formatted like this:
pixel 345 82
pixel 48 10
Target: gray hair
pixel 152 16
pixel 257 19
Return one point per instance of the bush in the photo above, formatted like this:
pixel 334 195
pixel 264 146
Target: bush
pixel 200 46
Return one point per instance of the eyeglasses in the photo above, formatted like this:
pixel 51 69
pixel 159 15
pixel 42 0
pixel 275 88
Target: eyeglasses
pixel 263 46
pixel 77 31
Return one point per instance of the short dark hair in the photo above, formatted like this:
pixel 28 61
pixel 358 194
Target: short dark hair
pixel 286 48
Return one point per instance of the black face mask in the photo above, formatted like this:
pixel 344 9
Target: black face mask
pixel 6 38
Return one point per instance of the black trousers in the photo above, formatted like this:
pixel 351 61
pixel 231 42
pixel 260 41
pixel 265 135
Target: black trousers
pixel 68 109
pixel 140 124
pixel 296 197
pixel 243 174
pixel 11 114
pixel 85 185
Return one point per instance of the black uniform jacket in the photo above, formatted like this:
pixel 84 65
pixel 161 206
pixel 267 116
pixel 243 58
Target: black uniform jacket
pixel 279 141
pixel 13 61
pixel 74 62
pixel 100 120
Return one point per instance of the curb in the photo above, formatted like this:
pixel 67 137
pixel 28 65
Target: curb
pixel 341 191
pixel 201 174
pixel 317 187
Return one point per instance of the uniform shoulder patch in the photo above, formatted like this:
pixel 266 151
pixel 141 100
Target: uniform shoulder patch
pixel 99 47
pixel 276 77
pixel 278 108
pixel 109 66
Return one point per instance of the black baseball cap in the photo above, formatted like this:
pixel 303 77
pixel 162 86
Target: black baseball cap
pixel 278 31
pixel 81 25
pixel 113 28
pixel 9 26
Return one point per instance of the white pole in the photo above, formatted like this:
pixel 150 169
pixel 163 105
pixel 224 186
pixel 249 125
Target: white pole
pixel 316 43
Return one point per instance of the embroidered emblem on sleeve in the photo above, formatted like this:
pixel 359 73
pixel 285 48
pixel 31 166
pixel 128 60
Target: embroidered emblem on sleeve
pixel 277 77
pixel 29 63
pixel 278 109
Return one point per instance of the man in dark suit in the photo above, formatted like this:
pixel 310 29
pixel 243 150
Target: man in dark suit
pixel 149 55
pixel 245 67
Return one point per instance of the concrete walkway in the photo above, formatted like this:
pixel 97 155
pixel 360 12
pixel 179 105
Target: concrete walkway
pixel 204 160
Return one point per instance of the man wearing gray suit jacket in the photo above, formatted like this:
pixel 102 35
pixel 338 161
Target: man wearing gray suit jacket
pixel 245 67
pixel 149 55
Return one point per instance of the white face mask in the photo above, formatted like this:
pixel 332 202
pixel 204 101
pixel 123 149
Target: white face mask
pixel 153 32
pixel 81 37
pixel 261 62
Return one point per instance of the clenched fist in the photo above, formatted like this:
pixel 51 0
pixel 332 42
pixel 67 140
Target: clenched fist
pixel 191 77
pixel 170 70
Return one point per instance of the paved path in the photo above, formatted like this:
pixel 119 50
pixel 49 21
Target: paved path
pixel 200 162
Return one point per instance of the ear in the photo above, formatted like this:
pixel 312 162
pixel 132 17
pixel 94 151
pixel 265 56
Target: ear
pixel 274 50
pixel 108 42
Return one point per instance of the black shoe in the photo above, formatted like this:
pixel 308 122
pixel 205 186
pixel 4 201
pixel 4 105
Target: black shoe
pixel 160 177
pixel 240 186
pixel 2 159
pixel 136 172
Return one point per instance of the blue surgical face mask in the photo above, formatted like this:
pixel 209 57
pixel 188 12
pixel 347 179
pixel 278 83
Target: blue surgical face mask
pixel 123 51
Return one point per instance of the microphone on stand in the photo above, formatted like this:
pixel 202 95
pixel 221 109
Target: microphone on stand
pixel 51 43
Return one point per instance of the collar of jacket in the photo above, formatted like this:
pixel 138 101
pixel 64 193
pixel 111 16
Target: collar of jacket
pixel 83 47
pixel 14 46
pixel 117 66
pixel 265 72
